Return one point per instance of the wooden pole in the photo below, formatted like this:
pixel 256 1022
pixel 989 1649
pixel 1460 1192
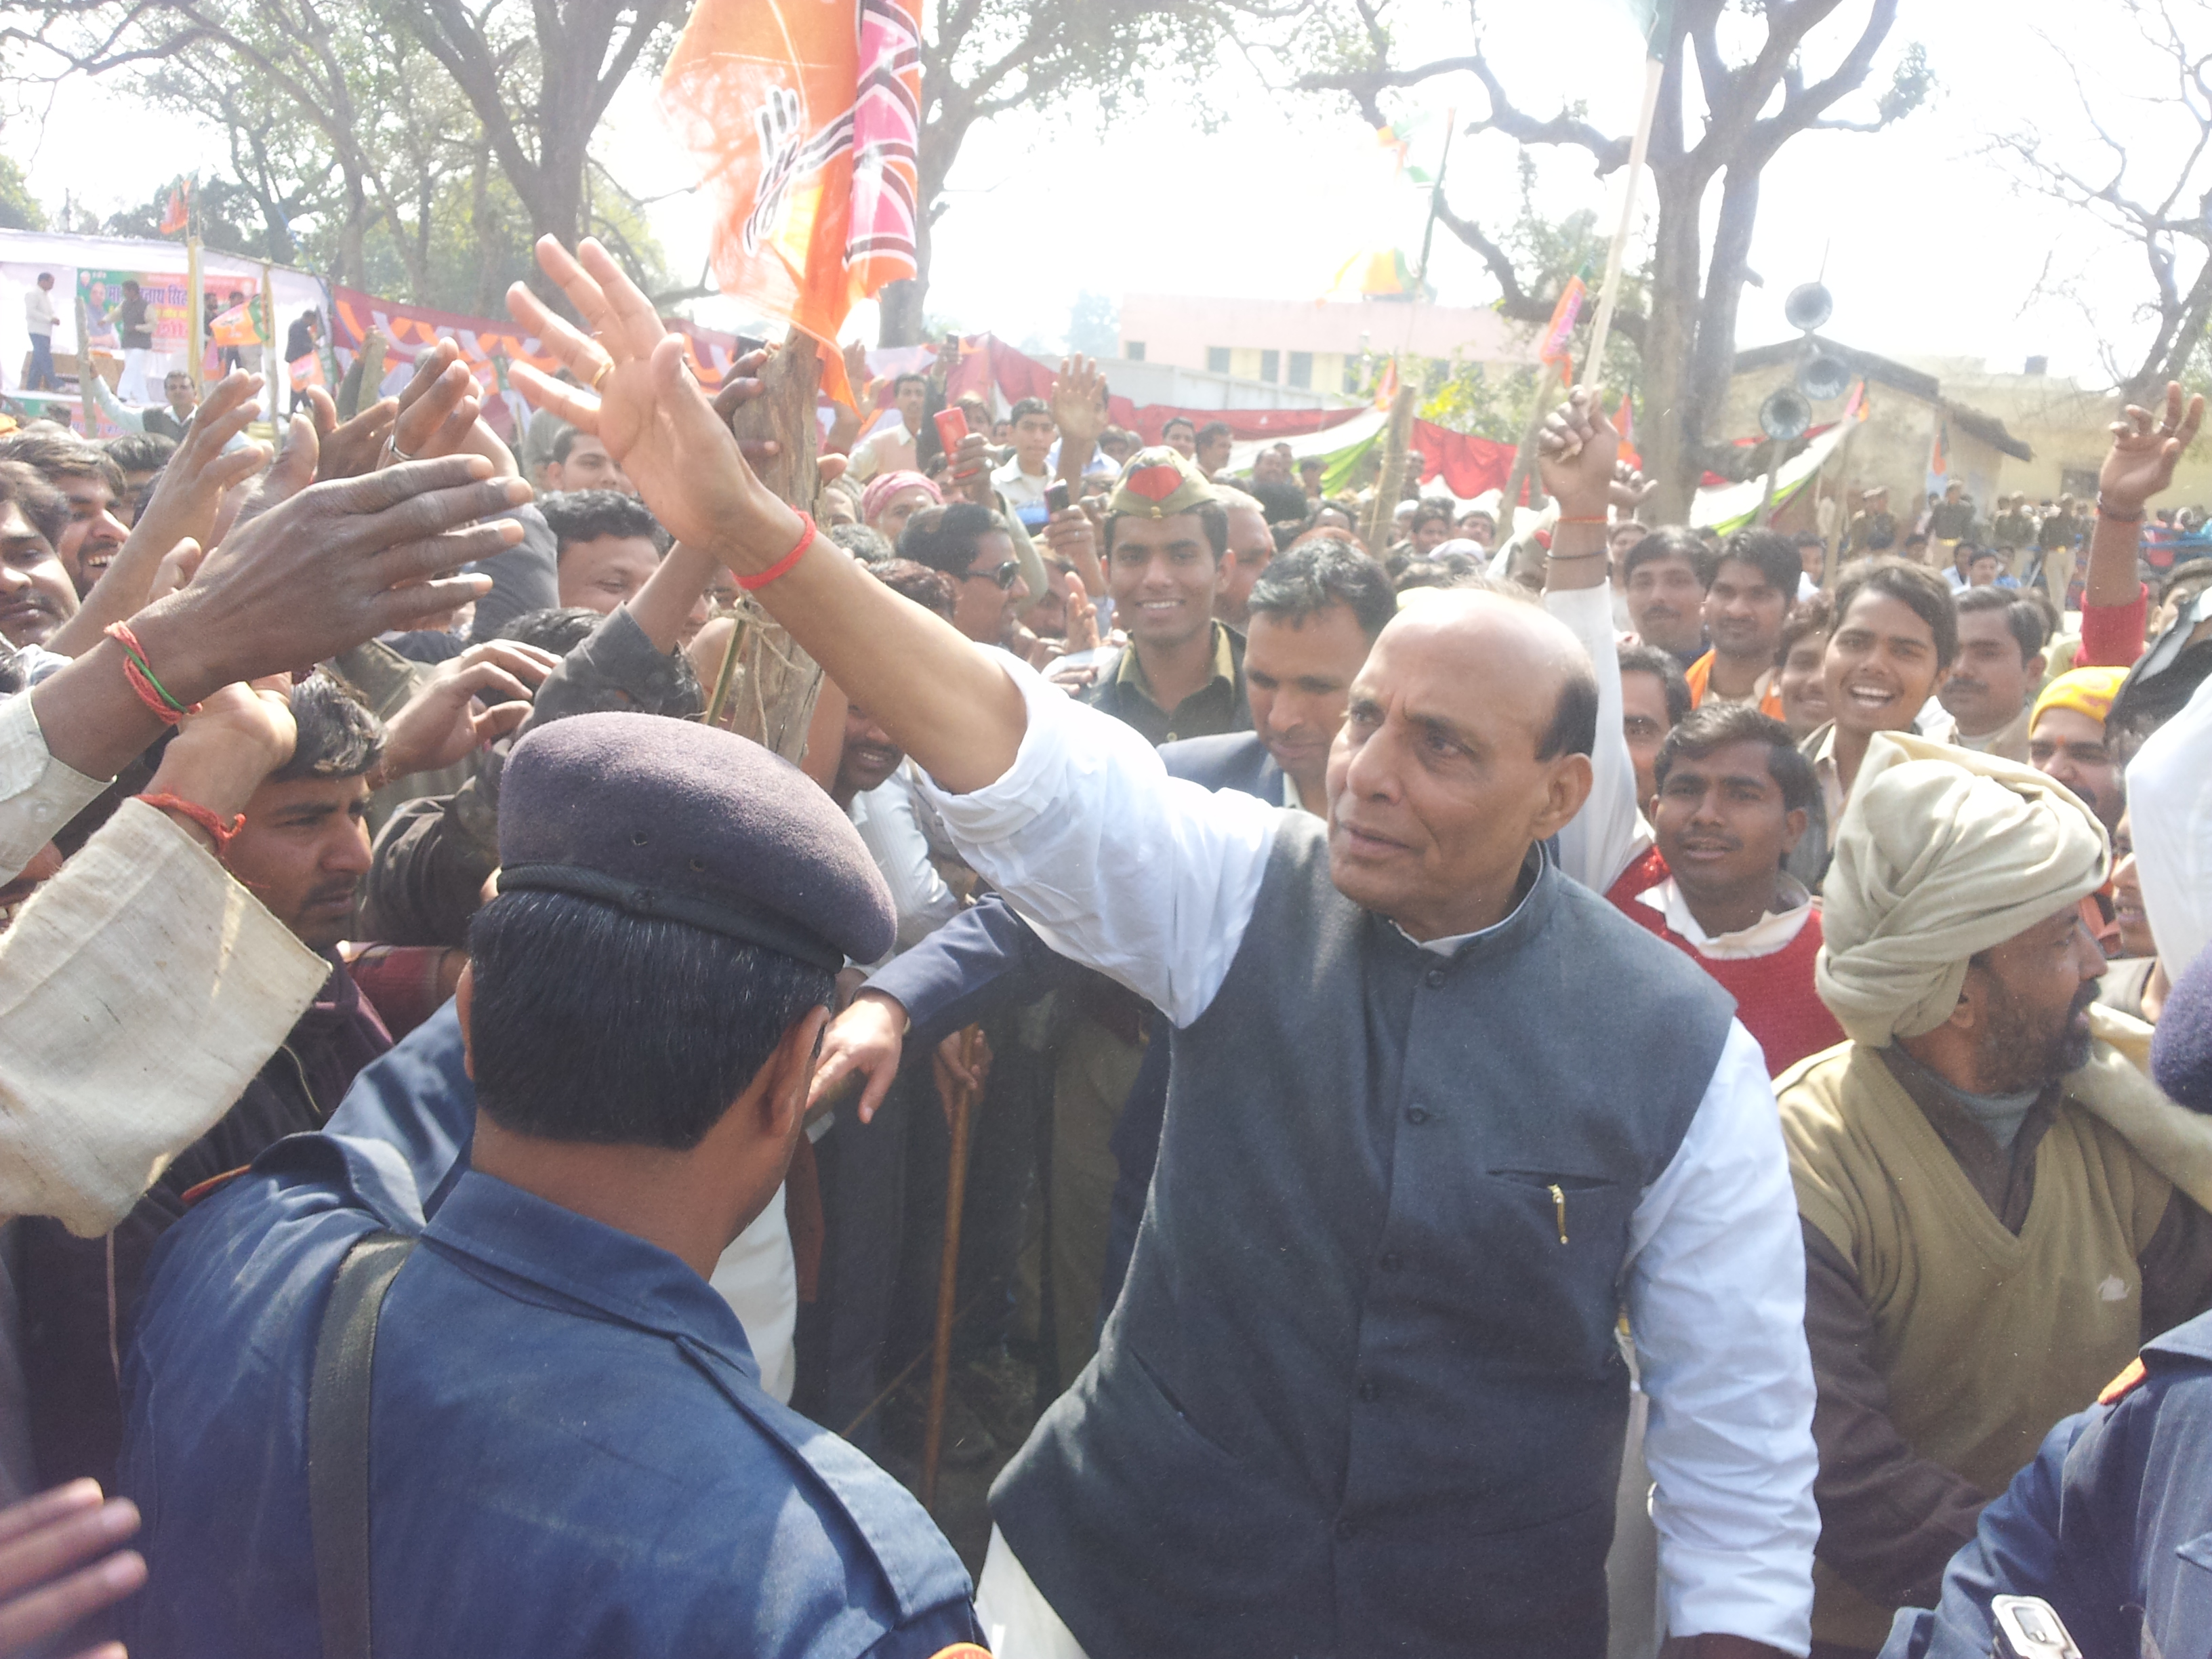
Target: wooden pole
pixel 1381 513
pixel 948 1270
pixel 1654 70
pixel 1524 459
pixel 85 369
pixel 268 353
pixel 196 335
pixel 767 686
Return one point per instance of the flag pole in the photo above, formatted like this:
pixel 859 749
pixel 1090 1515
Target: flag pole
pixel 194 283
pixel 1655 71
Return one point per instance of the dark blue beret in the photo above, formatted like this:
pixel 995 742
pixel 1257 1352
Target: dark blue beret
pixel 2181 1052
pixel 664 818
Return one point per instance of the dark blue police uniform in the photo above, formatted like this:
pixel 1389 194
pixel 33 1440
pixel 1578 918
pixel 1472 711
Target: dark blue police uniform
pixel 2111 1525
pixel 568 1452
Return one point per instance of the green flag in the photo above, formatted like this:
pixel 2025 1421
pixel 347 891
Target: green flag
pixel 1654 21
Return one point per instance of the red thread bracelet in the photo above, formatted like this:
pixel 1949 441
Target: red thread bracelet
pixel 783 566
pixel 224 834
pixel 138 675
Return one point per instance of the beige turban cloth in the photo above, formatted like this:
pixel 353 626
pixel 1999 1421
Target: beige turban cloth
pixel 1942 854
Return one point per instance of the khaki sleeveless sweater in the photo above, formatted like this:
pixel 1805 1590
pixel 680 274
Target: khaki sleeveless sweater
pixel 1985 1338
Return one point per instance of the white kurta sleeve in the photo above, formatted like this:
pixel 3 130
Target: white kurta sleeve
pixel 140 991
pixel 1148 878
pixel 1716 1303
pixel 38 794
pixel 1609 834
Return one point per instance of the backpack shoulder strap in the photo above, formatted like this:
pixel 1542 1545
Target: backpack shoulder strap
pixel 338 1440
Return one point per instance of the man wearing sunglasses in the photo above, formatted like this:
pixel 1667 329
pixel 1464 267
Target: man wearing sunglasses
pixel 972 545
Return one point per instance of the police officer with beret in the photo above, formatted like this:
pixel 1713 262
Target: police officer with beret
pixel 529 1426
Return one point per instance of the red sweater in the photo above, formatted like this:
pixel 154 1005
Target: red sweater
pixel 1774 994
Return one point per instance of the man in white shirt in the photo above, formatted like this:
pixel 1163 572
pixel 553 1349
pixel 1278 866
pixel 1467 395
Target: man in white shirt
pixel 1340 1404
pixel 40 319
pixel 890 446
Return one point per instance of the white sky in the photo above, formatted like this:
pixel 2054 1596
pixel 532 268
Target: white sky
pixel 1929 251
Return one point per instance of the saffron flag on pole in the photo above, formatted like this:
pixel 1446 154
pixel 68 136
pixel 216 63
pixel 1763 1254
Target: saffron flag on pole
pixel 1564 318
pixel 176 212
pixel 807 115
pixel 1624 422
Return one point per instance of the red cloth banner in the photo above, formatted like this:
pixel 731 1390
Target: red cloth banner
pixel 1468 465
pixel 408 331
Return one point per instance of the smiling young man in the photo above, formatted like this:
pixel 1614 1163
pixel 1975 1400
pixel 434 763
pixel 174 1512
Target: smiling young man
pixel 1744 609
pixel 93 484
pixel 1988 1231
pixel 1896 631
pixel 36 595
pixel 580 462
pixel 1666 577
pixel 1384 1417
pixel 1167 541
pixel 302 851
pixel 1733 798
pixel 1998 667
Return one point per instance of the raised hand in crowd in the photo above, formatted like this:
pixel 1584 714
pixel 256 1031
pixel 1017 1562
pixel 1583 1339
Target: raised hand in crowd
pixel 442 724
pixel 970 476
pixel 349 448
pixel 184 506
pixel 45 1585
pixel 2138 467
pixel 638 397
pixel 440 413
pixel 1082 633
pixel 1078 409
pixel 2139 464
pixel 312 576
pixel 1070 535
pixel 1579 454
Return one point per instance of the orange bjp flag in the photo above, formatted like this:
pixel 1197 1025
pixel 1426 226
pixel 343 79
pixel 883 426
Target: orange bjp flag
pixel 807 115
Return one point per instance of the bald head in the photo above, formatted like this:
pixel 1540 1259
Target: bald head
pixel 1468 741
pixel 1502 634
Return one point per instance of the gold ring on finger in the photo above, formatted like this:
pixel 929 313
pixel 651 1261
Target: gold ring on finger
pixel 606 369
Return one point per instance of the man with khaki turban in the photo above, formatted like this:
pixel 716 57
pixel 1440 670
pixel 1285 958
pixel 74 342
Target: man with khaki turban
pixel 1998 1208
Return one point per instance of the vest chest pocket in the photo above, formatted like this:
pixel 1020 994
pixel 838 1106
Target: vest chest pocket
pixel 1548 1246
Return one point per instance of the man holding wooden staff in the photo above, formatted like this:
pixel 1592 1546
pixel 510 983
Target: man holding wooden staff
pixel 1437 1116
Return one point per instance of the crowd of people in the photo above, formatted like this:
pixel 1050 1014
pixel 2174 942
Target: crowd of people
pixel 1542 1094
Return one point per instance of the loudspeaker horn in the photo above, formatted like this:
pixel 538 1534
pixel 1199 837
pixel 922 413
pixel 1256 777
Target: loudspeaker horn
pixel 1807 306
pixel 1784 416
pixel 1822 376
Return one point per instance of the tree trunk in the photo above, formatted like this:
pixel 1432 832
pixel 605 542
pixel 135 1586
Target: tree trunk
pixel 1668 455
pixel 1712 356
pixel 353 258
pixel 2178 336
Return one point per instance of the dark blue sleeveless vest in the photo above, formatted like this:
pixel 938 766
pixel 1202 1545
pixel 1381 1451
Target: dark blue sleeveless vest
pixel 1362 1394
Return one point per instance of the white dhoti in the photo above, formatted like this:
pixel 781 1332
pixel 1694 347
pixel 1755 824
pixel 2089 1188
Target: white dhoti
pixel 1017 1622
pixel 758 1279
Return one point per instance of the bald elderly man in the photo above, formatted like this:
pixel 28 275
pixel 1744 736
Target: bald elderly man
pixel 1998 1206
pixel 1363 1391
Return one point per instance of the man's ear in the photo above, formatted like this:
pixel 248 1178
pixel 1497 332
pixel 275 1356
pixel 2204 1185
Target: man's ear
pixel 1966 1014
pixel 1565 793
pixel 2036 664
pixel 1793 829
pixel 789 1072
pixel 464 997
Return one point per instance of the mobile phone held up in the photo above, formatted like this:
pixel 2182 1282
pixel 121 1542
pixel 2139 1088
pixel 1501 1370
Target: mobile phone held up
pixel 1056 498
pixel 951 427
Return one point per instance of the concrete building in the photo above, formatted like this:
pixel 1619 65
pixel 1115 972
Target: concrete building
pixel 1892 447
pixel 1307 346
pixel 2068 425
pixel 1146 381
